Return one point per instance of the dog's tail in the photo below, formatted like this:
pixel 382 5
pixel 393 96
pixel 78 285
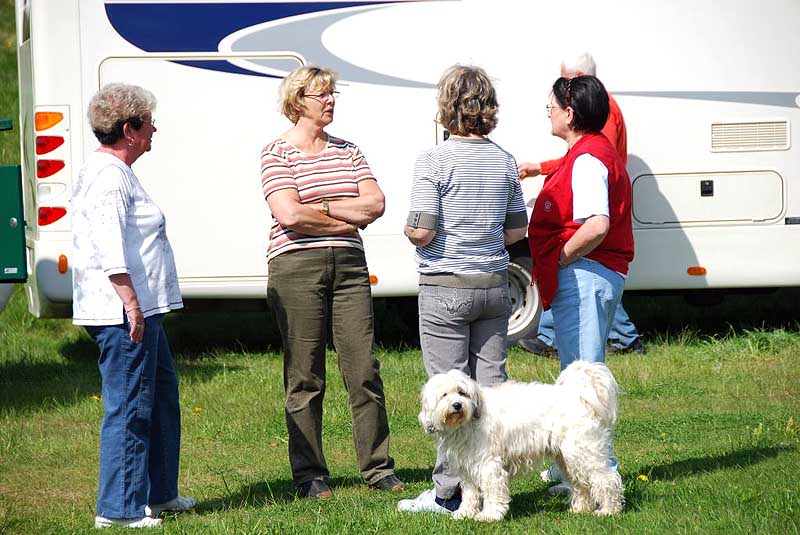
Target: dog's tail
pixel 596 387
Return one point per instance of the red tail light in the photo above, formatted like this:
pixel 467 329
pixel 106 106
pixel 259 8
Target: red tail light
pixel 48 215
pixel 45 144
pixel 46 168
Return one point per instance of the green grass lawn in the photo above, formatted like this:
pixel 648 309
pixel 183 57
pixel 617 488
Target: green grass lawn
pixel 708 438
pixel 9 109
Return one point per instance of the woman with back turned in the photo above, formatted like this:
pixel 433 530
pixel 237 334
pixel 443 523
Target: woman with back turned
pixel 466 206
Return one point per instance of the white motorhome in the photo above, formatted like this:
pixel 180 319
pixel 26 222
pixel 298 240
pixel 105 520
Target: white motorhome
pixel 710 92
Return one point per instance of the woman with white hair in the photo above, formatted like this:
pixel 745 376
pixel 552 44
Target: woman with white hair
pixel 124 281
pixel 466 206
pixel 320 191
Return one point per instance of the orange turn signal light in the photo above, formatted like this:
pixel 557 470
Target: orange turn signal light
pixel 47 119
pixel 62 263
pixel 373 279
pixel 696 270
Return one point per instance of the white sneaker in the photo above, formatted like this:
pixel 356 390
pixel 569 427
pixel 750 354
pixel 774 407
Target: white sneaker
pixel 552 474
pixel 560 489
pixel 143 522
pixel 177 504
pixel 424 503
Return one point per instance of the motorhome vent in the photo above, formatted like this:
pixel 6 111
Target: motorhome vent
pixel 751 136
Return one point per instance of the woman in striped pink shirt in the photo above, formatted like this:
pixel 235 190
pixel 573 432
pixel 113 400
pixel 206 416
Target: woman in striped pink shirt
pixel 320 191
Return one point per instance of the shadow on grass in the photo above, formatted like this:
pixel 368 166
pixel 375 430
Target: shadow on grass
pixel 27 386
pixel 636 494
pixel 280 491
pixel 714 314
pixel 703 465
pixel 209 327
pixel 252 495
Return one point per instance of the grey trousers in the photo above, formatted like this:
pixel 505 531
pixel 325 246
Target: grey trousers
pixel 463 329
pixel 308 291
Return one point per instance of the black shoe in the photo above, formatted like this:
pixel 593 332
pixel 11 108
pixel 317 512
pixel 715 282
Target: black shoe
pixel 389 482
pixel 636 347
pixel 315 488
pixel 537 347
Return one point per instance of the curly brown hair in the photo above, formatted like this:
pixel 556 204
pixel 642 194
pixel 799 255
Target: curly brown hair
pixel 467 101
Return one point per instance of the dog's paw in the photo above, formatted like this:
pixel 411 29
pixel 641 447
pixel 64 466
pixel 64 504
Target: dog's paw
pixel 460 514
pixel 489 516
pixel 606 511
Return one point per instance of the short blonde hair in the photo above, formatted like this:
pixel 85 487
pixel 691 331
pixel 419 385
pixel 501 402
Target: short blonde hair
pixel 308 78
pixel 467 101
pixel 116 104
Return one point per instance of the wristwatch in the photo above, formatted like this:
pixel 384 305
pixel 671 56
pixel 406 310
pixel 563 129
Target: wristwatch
pixel 326 209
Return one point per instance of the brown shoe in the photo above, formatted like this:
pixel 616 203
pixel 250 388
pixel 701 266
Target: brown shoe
pixel 315 488
pixel 389 482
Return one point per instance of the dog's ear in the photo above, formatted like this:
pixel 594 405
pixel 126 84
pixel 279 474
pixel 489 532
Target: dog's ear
pixel 426 413
pixel 477 400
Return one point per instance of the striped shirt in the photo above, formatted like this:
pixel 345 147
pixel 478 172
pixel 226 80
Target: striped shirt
pixel 333 173
pixel 469 191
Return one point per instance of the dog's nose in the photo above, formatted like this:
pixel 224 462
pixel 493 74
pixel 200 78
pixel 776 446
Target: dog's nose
pixel 457 406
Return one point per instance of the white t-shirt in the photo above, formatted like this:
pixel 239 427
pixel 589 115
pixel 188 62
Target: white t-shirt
pixel 589 188
pixel 117 228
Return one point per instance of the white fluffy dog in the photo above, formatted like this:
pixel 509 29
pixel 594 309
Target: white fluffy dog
pixel 491 433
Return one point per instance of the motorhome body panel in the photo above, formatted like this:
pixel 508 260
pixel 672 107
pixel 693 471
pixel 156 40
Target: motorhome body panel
pixel 675 70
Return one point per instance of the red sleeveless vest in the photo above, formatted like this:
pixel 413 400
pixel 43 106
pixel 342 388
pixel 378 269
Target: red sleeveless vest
pixel 552 225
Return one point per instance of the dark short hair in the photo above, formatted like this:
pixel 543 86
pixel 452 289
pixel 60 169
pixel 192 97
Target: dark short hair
pixel 588 98
pixel 112 136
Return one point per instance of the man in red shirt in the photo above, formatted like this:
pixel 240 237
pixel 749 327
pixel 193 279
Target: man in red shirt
pixel 623 337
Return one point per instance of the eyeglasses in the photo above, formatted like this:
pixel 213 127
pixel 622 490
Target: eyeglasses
pixel 550 108
pixel 151 122
pixel 325 95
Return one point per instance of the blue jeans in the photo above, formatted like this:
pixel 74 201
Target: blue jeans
pixel 583 309
pixel 623 332
pixel 463 329
pixel 141 431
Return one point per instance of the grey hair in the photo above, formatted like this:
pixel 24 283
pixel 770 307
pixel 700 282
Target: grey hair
pixel 117 103
pixel 580 63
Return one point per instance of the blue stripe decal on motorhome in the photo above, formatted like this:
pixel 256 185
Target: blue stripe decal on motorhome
pixel 199 27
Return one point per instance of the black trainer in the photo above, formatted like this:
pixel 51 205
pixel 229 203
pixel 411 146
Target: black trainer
pixel 636 347
pixel 537 347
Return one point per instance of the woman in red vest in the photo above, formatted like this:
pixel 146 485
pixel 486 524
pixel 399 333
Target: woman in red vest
pixel 580 234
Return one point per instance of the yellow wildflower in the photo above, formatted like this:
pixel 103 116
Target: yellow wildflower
pixel 197 410
pixel 642 477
